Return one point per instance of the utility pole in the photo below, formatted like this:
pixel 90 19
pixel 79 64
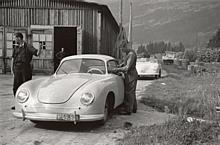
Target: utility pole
pixel 197 41
pixel 121 13
pixel 130 25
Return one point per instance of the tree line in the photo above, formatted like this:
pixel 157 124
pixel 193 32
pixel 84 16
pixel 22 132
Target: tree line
pixel 208 54
pixel 159 47
pixel 211 53
pixel 214 42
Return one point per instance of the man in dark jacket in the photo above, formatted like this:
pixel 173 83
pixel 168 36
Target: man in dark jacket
pixel 21 61
pixel 128 67
pixel 60 55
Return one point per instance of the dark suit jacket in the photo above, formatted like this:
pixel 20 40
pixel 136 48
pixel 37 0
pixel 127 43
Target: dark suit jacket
pixel 129 67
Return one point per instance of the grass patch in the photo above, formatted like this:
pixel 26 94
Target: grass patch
pixel 174 132
pixel 183 94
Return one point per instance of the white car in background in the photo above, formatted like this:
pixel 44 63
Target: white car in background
pixel 148 68
pixel 169 57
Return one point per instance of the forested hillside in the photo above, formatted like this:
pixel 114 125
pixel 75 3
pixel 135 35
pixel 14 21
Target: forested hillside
pixel 192 22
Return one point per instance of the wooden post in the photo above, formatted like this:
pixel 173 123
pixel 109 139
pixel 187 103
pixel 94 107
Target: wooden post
pixel 130 26
pixel 120 14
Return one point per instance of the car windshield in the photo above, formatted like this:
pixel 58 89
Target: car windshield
pixel 82 65
pixel 153 60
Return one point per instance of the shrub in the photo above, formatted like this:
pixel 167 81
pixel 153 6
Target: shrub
pixel 190 54
pixel 209 55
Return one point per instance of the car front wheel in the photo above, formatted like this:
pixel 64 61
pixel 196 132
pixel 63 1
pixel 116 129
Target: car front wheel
pixel 106 112
pixel 37 122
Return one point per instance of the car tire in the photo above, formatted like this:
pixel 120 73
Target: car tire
pixel 106 112
pixel 36 121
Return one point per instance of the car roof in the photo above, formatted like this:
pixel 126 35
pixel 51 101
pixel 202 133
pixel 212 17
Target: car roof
pixel 92 56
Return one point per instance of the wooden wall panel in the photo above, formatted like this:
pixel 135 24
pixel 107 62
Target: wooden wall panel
pixel 97 29
pixel 43 65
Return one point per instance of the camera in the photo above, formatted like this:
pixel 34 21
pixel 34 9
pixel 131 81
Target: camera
pixel 42 44
pixel 15 44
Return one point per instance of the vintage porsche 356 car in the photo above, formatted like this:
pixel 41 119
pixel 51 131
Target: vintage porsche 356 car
pixel 148 68
pixel 80 90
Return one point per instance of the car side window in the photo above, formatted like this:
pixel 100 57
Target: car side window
pixel 112 64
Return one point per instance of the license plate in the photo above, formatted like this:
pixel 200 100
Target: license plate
pixel 67 117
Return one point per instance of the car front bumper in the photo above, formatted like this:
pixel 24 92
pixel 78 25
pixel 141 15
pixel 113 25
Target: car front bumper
pixel 53 117
pixel 153 74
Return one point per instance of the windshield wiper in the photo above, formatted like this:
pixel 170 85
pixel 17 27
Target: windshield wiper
pixel 64 71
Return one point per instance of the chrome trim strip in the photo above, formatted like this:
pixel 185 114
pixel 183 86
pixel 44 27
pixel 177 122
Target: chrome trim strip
pixel 53 117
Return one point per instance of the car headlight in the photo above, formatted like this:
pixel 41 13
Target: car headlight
pixel 87 98
pixel 23 96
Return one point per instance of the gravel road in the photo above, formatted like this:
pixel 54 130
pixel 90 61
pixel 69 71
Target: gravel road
pixel 17 132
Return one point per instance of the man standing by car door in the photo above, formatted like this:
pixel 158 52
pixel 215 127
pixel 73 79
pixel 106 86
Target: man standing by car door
pixel 21 61
pixel 128 67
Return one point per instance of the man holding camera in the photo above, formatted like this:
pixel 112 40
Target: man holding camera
pixel 21 61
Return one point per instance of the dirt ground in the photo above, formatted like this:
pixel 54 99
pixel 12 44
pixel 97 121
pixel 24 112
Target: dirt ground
pixel 17 132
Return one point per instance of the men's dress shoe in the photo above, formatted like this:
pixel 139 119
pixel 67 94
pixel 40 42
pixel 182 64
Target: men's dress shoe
pixel 13 108
pixel 134 111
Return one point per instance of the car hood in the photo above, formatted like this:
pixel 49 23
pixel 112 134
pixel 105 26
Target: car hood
pixel 59 89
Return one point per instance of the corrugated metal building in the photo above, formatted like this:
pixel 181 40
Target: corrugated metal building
pixel 78 26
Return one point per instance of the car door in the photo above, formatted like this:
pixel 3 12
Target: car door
pixel 118 82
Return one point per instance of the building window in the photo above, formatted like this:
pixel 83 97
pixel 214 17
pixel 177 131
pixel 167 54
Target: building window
pixel 44 38
pixel 9 44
